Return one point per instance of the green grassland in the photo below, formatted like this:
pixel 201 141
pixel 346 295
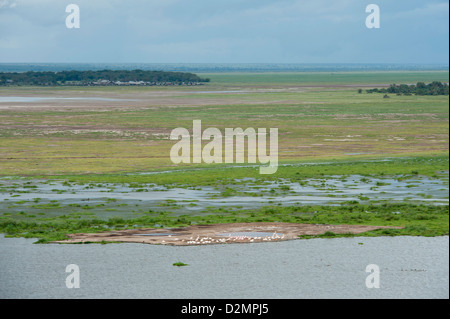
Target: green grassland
pixel 400 167
pixel 312 124
pixel 323 131
pixel 326 78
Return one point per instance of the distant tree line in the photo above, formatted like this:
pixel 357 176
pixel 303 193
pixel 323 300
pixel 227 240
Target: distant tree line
pixel 434 88
pixel 103 77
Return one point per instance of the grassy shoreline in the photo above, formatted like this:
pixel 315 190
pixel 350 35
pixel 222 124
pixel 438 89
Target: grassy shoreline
pixel 203 175
pixel 417 219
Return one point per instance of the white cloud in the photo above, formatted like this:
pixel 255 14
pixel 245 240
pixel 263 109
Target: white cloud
pixel 7 4
pixel 9 43
pixel 430 9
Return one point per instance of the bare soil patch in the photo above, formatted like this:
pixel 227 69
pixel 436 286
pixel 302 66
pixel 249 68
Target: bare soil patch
pixel 217 233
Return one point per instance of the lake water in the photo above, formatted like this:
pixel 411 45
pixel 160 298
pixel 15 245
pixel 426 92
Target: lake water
pixel 410 267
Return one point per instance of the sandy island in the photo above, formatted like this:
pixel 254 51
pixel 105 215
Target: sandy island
pixel 218 233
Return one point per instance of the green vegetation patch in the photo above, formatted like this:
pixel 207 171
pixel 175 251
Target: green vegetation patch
pixel 434 88
pixel 215 175
pixel 180 264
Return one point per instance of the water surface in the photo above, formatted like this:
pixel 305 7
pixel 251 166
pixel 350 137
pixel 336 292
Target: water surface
pixel 410 267
pixel 325 191
pixel 34 99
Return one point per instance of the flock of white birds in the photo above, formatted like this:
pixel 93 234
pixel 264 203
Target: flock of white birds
pixel 209 240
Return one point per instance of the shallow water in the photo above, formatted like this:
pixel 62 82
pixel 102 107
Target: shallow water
pixel 34 99
pixel 410 267
pixel 332 190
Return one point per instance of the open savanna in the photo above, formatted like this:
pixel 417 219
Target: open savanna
pixel 325 78
pixel 321 119
pixel 130 134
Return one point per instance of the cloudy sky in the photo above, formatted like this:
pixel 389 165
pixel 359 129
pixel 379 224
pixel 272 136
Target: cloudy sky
pixel 224 31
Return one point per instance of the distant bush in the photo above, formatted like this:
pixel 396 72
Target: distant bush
pixel 103 77
pixel 434 88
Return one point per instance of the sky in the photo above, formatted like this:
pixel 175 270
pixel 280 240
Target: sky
pixel 224 31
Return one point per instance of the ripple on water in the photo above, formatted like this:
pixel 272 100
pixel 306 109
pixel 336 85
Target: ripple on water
pixel 410 267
